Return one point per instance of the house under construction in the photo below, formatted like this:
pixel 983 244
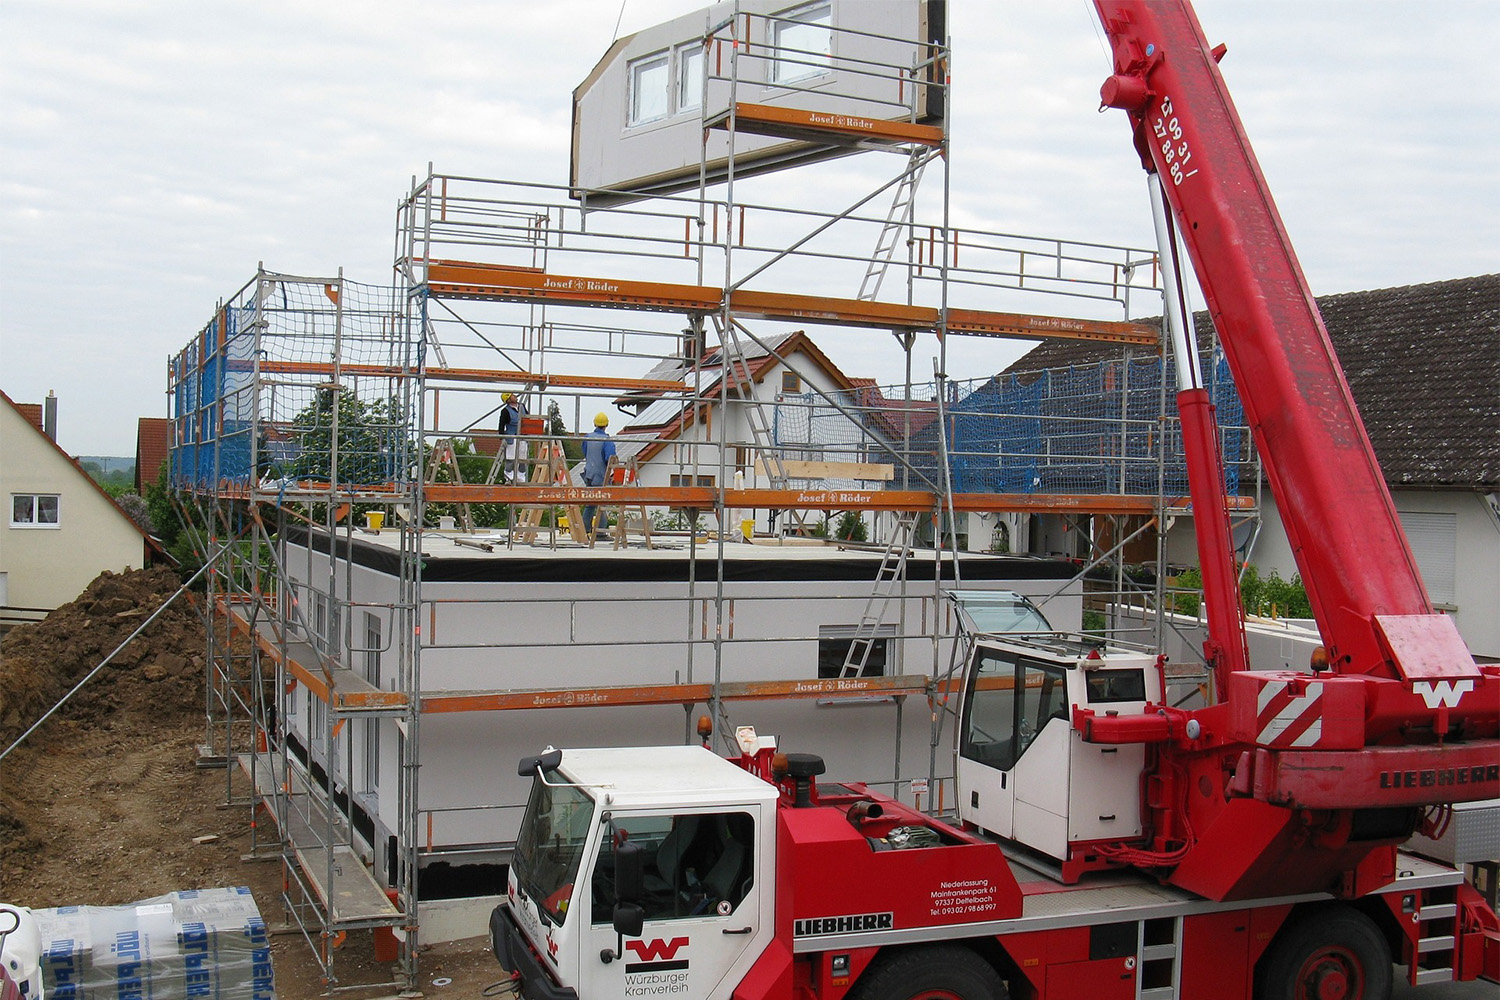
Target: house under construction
pixel 418 622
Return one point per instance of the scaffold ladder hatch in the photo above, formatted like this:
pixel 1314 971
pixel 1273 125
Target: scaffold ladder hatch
pixel 887 582
pixel 903 204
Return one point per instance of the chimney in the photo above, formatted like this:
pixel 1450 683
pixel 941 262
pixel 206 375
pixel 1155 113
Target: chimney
pixel 49 416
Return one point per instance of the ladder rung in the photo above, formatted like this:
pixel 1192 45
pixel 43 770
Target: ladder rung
pixel 1425 976
pixel 1154 952
pixel 1443 942
pixel 1437 911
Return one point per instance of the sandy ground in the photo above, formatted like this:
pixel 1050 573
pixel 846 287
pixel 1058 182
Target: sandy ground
pixel 106 805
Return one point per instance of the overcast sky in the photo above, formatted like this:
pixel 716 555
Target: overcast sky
pixel 151 153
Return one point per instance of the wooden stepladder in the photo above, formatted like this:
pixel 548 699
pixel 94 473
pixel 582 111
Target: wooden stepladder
pixel 550 468
pixel 444 457
pixel 627 473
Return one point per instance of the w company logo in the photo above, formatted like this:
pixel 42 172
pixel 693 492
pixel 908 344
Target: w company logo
pixel 656 955
pixel 1441 694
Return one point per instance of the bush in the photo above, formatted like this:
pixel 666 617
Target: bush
pixel 1268 596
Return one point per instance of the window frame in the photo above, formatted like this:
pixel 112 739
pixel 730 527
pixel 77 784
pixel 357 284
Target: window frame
pixel 698 863
pixel 633 88
pixel 36 511
pixel 792 18
pixel 682 100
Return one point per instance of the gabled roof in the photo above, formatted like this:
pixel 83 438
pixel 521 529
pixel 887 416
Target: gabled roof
pixel 21 409
pixel 1423 363
pixel 668 416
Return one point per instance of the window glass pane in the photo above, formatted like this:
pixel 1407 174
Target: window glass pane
pixel 695 866
pixel 804 43
pixel 833 652
pixel 650 84
pixel 1044 697
pixel 689 76
pixel 990 712
pixel 22 509
pixel 1116 685
pixel 550 846
pixel 46 509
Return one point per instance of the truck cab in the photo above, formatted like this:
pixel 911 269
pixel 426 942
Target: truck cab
pixel 1024 772
pixel 703 832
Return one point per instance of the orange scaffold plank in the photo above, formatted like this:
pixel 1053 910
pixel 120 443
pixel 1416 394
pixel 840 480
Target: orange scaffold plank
pixel 826 126
pixel 473 375
pixel 457 279
pixel 672 694
pixel 347 692
pixel 704 498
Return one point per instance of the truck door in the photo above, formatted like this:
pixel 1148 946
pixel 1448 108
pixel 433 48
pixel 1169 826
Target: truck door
pixel 702 901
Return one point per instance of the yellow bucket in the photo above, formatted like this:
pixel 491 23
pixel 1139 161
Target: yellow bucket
pixel 374 519
pixel 747 527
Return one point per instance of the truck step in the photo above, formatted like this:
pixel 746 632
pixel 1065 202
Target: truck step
pixel 1438 911
pixel 1425 976
pixel 1159 993
pixel 1441 943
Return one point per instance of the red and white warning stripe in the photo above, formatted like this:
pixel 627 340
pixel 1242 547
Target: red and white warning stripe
pixel 1287 719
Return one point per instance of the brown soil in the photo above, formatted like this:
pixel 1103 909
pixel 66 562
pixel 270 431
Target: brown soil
pixel 101 805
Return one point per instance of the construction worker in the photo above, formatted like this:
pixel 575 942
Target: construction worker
pixel 514 451
pixel 598 459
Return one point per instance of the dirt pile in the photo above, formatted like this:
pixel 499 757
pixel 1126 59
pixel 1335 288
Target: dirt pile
pixel 158 675
pixel 160 670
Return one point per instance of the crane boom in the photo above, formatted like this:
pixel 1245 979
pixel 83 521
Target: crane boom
pixel 1339 517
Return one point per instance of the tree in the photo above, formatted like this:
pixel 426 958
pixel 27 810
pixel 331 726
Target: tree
pixel 369 443
pixel 572 448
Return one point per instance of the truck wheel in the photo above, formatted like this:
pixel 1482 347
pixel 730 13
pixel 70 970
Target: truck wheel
pixel 936 973
pixel 1330 953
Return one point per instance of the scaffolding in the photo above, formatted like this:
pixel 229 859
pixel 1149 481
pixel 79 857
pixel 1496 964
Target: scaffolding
pixel 328 433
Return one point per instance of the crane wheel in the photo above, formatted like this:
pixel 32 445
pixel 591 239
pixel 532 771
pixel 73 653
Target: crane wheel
pixel 940 972
pixel 1326 953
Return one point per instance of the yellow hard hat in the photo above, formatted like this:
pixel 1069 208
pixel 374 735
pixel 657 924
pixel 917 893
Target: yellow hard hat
pixel 507 396
pixel 600 420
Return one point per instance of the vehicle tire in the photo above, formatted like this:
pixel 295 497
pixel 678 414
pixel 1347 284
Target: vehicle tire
pixel 1327 953
pixel 941 972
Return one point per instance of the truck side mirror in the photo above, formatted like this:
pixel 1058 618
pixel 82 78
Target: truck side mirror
pixel 630 865
pixel 543 763
pixel 629 916
pixel 630 919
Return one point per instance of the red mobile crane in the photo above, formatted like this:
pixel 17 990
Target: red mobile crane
pixel 1109 846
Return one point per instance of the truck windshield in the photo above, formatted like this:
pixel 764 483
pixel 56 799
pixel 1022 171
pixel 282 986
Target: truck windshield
pixel 553 835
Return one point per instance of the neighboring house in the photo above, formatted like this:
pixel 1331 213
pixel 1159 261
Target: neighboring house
pixel 1423 363
pixel 794 384
pixel 61 530
pixel 153 442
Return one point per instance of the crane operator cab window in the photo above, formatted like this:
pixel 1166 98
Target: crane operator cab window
pixel 695 865
pixel 1010 701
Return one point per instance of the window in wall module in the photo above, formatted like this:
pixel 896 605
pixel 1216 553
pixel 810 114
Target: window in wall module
pixel 834 642
pixel 689 76
pixel 650 88
pixel 803 38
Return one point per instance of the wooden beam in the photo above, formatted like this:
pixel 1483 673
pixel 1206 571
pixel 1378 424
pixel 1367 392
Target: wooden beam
pixel 871 471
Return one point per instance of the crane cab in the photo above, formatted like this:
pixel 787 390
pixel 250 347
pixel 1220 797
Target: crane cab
pixel 1024 773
